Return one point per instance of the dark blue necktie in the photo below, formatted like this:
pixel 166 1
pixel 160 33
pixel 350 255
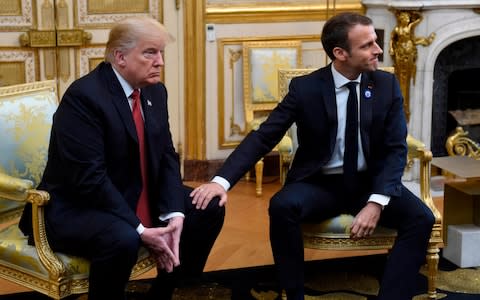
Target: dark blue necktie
pixel 350 156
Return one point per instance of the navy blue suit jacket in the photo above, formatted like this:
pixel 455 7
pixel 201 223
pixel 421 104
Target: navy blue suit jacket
pixel 93 162
pixel 311 104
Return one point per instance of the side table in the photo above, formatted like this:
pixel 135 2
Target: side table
pixel 461 200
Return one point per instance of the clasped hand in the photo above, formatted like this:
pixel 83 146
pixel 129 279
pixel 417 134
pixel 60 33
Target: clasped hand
pixel 163 243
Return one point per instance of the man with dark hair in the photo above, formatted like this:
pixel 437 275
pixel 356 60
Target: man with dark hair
pixel 351 156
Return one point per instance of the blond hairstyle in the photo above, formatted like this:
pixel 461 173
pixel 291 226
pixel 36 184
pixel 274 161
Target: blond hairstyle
pixel 125 34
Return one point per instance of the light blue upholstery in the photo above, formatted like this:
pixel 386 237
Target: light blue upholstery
pixel 25 120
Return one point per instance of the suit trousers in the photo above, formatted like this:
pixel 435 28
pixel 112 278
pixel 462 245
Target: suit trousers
pixel 113 246
pixel 322 197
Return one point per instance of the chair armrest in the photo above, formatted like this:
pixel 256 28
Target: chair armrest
pixel 13 188
pixel 17 189
pixel 416 149
pixel 48 258
pixel 286 145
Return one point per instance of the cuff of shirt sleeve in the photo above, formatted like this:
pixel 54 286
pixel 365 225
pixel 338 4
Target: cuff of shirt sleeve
pixel 140 229
pixel 222 181
pixel 380 199
pixel 165 217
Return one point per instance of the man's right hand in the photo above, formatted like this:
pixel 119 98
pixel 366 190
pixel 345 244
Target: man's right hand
pixel 203 194
pixel 157 242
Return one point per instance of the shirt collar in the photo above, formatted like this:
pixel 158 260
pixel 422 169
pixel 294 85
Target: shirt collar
pixel 341 80
pixel 127 88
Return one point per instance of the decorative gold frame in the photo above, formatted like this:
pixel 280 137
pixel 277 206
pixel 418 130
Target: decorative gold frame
pixel 260 78
pixel 104 17
pixel 241 11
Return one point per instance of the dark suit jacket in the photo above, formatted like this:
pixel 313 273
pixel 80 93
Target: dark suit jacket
pixel 311 104
pixel 93 162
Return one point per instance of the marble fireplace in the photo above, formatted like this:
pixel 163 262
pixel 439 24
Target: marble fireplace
pixel 447 71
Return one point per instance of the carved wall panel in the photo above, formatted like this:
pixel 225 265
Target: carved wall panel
pixel 17 66
pixel 16 14
pixel 89 58
pixel 103 13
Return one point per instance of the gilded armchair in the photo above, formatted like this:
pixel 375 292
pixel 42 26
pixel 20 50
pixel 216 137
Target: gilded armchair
pixel 334 233
pixel 26 112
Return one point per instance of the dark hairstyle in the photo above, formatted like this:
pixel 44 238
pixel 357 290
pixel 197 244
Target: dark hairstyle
pixel 335 31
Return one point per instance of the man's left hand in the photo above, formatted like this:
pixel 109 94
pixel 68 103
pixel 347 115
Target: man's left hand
pixel 365 221
pixel 174 235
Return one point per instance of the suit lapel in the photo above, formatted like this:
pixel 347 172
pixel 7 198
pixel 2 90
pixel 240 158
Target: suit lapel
pixel 119 100
pixel 329 99
pixel 367 98
pixel 147 107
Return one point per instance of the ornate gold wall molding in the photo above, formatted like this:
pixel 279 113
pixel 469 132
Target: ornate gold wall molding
pixel 104 13
pixel 88 59
pixel 277 11
pixel 18 66
pixel 117 6
pixel 14 19
pixel 403 50
pixel 195 132
pixel 11 8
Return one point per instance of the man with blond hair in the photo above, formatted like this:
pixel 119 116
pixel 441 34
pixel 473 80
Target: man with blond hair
pixel 114 176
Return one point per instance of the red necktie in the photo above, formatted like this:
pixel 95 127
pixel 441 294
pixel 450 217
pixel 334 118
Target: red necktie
pixel 143 211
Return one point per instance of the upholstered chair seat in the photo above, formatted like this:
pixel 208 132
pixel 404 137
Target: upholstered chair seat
pixel 335 233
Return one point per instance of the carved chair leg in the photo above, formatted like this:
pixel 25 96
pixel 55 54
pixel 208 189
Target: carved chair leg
pixel 285 161
pixel 259 177
pixel 432 269
pixel 247 176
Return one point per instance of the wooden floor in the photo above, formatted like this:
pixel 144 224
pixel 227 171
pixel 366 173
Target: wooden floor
pixel 243 241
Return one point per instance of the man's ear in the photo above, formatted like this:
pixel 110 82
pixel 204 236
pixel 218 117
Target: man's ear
pixel 119 58
pixel 340 53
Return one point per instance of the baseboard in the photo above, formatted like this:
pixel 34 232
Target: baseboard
pixel 203 170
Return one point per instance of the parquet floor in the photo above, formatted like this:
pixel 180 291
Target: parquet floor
pixel 243 241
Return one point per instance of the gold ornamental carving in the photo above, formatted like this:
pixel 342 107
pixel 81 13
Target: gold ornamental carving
pixel 403 50
pixel 11 8
pixel 72 37
pixel 38 38
pixel 459 143
pixel 55 38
